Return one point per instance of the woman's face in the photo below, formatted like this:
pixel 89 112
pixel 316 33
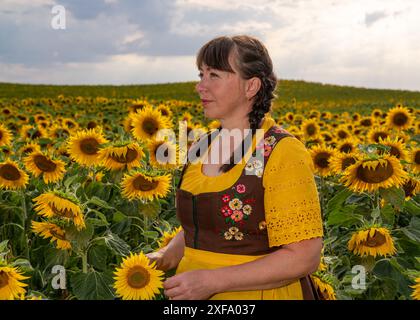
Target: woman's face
pixel 222 93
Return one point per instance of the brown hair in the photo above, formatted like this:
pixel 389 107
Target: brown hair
pixel 252 60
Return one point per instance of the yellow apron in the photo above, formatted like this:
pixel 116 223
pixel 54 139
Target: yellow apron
pixel 195 259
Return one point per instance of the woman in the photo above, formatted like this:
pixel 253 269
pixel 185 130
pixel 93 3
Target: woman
pixel 245 236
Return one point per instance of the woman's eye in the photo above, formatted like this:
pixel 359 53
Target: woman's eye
pixel 212 74
pixel 200 75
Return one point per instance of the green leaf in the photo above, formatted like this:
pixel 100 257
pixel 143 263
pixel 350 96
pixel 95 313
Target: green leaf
pixel 344 216
pixel 394 196
pixel 80 238
pixel 24 265
pixel 412 207
pixel 376 212
pixel 97 257
pixel 92 285
pixel 3 246
pixel 116 244
pixel 151 234
pixel 118 216
pixel 100 203
pixel 338 200
pixel 413 229
pixel 388 214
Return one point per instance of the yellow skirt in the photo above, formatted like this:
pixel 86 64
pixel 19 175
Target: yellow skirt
pixel 195 259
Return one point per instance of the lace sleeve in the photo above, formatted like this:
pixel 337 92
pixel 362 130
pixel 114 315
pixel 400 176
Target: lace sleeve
pixel 292 207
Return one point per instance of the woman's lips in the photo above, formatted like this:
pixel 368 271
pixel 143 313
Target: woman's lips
pixel 205 102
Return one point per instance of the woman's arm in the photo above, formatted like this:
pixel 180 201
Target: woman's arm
pixel 169 256
pixel 275 270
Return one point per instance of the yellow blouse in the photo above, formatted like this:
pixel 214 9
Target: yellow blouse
pixel 291 202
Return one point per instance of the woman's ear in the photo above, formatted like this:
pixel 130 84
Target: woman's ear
pixel 253 85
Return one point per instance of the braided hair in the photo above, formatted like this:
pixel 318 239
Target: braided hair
pixel 252 60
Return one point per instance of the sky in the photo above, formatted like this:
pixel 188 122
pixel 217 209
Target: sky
pixel 363 43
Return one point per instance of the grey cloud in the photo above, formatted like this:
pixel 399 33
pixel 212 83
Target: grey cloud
pixel 371 18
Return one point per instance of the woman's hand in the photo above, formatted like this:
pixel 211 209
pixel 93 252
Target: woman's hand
pixel 169 257
pixel 162 261
pixel 191 285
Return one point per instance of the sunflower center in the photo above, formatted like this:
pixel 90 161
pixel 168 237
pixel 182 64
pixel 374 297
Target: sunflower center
pixel 366 122
pixel 322 159
pixel 164 112
pixel 377 240
pixel 44 164
pixel 140 183
pixel 378 135
pixel 400 119
pixel 346 148
pixel 377 175
pixel 150 126
pixel 311 130
pixel 4 279
pixel 129 157
pixel 347 162
pixel 342 134
pixel 1 135
pixel 417 157
pixel 89 146
pixel 9 172
pixel 68 213
pixel 138 277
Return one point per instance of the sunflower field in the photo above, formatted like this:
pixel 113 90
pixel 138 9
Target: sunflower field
pixel 81 187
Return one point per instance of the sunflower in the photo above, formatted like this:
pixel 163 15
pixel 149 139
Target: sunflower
pixel 165 111
pixel 11 176
pixel 377 133
pixel 324 287
pixel 399 118
pixel 83 147
pixel 416 292
pixel 372 241
pixel 397 148
pixel 372 174
pixel 33 132
pixel 5 136
pixel 29 147
pixel 145 187
pixel 340 161
pixel 147 123
pixel 138 105
pixel 11 286
pixel 411 187
pixel 377 113
pixel 415 160
pixel 321 156
pixel 310 129
pixel 137 278
pixel 348 145
pixel 56 132
pixel 52 170
pixel 57 204
pixel 215 124
pixel 163 154
pixel 342 133
pixel 53 231
pixel 167 237
pixel 366 122
pixel 125 155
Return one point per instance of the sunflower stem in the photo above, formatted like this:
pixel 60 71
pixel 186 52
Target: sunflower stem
pixel 25 224
pixel 84 262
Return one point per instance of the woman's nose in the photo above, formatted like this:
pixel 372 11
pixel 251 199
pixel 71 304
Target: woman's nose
pixel 199 87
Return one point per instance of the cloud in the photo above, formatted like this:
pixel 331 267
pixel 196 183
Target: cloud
pixel 371 18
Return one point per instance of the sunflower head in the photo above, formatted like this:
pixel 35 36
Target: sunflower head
pixel 52 231
pixel 145 186
pixel 163 154
pixel 396 148
pixel 5 136
pixel 137 278
pixel 120 156
pixel 377 133
pixel 11 176
pixel 310 128
pixel 341 161
pixel 167 237
pixel 147 123
pixel 415 160
pixel 38 163
pixel 324 286
pixel 11 286
pixel 371 174
pixel 84 147
pixel 321 157
pixel 399 118
pixel 372 241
